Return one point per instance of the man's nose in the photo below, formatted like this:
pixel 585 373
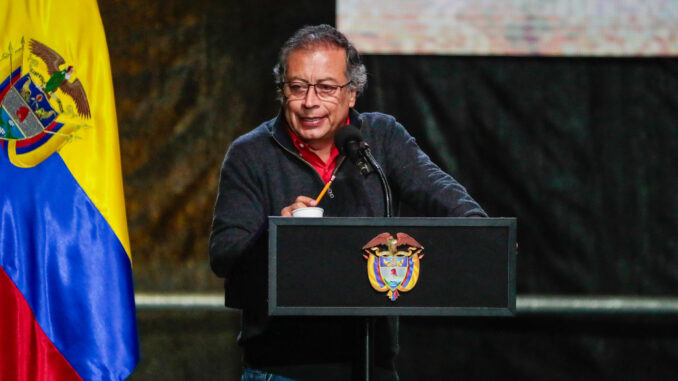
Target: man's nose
pixel 311 99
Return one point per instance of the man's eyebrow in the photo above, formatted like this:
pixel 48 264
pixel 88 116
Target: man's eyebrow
pixel 326 79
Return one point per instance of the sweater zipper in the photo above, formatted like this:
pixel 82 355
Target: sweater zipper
pixel 298 156
pixel 336 168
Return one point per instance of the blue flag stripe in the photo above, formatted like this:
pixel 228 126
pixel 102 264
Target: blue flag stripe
pixel 70 266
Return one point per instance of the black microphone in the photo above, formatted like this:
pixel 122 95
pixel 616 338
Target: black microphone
pixel 351 144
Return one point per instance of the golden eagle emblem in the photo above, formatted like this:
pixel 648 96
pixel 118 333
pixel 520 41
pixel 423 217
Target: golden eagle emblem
pixel 59 78
pixel 32 127
pixel 393 263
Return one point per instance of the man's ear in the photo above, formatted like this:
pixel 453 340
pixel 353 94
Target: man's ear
pixel 352 97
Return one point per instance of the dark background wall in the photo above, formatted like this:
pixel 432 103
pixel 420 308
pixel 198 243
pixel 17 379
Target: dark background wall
pixel 581 150
pixel 189 76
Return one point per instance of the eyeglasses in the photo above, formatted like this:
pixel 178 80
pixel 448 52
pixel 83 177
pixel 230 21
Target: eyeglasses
pixel 298 89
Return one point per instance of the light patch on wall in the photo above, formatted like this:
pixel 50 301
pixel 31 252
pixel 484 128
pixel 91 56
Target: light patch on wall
pixel 512 27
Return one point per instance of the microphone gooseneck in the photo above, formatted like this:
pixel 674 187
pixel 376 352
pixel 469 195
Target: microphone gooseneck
pixel 351 144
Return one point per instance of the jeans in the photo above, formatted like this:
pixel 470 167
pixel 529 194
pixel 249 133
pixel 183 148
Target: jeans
pixel 257 375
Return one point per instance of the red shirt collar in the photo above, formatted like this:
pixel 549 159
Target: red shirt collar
pixel 325 170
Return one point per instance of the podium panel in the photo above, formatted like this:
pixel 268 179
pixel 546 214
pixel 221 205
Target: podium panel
pixel 392 266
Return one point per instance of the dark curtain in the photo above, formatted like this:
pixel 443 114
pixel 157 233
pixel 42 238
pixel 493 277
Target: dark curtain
pixel 583 152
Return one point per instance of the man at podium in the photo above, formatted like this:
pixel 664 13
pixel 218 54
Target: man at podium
pixel 282 165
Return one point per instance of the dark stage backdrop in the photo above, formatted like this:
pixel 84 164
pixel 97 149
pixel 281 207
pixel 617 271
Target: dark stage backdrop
pixel 581 150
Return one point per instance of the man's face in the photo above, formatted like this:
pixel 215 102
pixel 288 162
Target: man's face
pixel 316 120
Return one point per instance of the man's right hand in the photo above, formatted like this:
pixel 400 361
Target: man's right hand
pixel 300 202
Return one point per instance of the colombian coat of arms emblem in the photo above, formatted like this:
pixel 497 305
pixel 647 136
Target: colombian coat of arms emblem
pixel 41 109
pixel 393 263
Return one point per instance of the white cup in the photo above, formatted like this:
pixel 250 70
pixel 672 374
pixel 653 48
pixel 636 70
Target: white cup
pixel 311 211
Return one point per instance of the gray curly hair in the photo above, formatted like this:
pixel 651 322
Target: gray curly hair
pixel 313 36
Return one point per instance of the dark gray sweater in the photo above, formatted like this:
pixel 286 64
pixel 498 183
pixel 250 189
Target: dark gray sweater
pixel 261 174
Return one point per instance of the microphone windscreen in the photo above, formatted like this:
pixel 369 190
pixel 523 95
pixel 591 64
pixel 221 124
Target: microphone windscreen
pixel 346 134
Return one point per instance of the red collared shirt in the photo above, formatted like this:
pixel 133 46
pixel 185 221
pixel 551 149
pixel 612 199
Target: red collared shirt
pixel 324 169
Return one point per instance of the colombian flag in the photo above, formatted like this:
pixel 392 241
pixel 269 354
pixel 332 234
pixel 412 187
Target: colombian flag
pixel 66 294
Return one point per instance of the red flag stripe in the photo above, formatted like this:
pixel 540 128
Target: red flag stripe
pixel 26 354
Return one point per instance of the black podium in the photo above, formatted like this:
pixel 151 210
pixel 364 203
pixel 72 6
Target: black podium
pixel 321 266
pixel 391 267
